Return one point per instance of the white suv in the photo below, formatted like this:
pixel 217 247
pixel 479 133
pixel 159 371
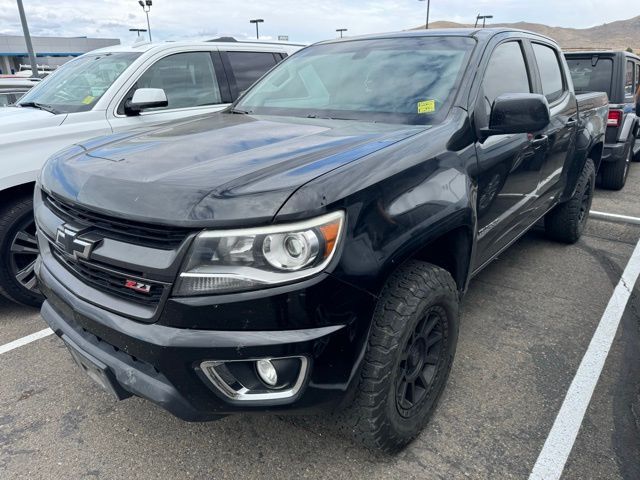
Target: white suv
pixel 103 92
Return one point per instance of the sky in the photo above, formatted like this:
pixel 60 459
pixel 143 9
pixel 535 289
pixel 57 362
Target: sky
pixel 303 21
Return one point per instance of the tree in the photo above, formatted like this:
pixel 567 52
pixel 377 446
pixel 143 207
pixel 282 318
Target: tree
pixel 629 49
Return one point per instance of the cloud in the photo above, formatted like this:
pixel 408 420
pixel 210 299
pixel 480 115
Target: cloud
pixel 302 21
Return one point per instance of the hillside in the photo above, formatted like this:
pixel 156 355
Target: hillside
pixel 615 35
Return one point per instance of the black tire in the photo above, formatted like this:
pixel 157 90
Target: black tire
pixel 18 251
pixel 417 296
pixel 566 222
pixel 614 174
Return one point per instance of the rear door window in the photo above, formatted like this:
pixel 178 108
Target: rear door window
pixel 550 73
pixel 247 67
pixel 629 82
pixel 591 74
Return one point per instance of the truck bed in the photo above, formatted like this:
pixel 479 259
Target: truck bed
pixel 591 100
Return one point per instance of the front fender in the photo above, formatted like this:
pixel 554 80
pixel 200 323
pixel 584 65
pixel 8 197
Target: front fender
pixel 396 206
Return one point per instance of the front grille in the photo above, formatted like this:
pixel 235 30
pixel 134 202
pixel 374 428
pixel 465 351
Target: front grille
pixel 108 280
pixel 138 233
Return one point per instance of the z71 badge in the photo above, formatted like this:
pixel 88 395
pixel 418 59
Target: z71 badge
pixel 137 286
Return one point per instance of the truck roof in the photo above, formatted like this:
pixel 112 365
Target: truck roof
pixel 17 82
pixel 585 53
pixel 160 46
pixel 480 33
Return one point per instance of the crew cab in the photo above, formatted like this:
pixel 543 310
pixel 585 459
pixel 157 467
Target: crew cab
pixel 307 249
pixel 618 74
pixel 112 90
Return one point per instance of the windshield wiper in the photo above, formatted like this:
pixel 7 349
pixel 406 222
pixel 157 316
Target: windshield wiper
pixel 312 115
pixel 40 106
pixel 239 112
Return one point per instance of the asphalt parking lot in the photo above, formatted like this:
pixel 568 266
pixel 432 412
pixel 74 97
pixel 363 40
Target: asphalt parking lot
pixel 527 322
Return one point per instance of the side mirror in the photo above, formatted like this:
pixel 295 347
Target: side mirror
pixel 144 98
pixel 518 113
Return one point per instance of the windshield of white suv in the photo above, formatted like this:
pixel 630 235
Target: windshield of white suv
pixel 78 84
pixel 395 80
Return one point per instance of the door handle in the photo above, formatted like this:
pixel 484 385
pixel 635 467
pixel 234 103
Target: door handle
pixel 539 140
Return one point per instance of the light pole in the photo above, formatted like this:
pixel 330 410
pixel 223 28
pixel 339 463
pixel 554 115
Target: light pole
pixel 138 30
pixel 257 21
pixel 27 40
pixel 146 7
pixel 426 23
pixel 340 31
pixel 483 18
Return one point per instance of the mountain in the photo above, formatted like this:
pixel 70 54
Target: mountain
pixel 615 35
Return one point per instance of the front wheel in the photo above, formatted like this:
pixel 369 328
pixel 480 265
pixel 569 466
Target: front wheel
pixel 566 222
pixel 18 252
pixel 409 355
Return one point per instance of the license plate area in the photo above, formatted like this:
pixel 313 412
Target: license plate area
pixel 96 370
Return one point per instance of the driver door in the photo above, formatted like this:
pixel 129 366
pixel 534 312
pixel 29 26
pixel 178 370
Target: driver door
pixel 194 83
pixel 509 165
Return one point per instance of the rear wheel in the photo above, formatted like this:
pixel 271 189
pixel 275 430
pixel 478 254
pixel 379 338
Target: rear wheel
pixel 614 174
pixel 409 355
pixel 566 222
pixel 18 252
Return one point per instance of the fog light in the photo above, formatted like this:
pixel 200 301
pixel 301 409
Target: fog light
pixel 267 372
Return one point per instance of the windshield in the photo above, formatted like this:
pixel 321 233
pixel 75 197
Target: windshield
pixel 79 84
pixel 397 80
pixel 588 77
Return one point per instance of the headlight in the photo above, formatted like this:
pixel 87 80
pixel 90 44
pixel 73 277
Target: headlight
pixel 221 261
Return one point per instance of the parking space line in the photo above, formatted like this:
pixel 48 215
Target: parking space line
pixel 614 217
pixel 558 445
pixel 25 340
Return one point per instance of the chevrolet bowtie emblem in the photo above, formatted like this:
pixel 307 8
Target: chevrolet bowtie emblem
pixel 74 243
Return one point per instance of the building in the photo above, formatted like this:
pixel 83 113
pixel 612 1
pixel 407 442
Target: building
pixel 50 51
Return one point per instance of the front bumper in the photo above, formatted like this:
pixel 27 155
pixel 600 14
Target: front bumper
pixel 613 152
pixel 162 363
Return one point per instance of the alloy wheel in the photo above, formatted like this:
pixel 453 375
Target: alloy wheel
pixel 585 204
pixel 420 362
pixel 23 252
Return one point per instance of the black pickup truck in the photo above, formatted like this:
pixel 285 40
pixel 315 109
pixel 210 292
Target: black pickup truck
pixel 307 249
pixel 618 74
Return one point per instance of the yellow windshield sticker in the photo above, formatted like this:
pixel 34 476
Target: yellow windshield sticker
pixel 88 99
pixel 427 106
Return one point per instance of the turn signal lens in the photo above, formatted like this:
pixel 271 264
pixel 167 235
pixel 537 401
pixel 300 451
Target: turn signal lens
pixel 330 233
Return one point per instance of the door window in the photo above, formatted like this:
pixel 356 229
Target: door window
pixel 6 99
pixel 506 73
pixel 188 80
pixel 629 80
pixel 550 73
pixel 250 66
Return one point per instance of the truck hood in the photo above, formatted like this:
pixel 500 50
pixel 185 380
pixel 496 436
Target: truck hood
pixel 222 169
pixel 19 119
